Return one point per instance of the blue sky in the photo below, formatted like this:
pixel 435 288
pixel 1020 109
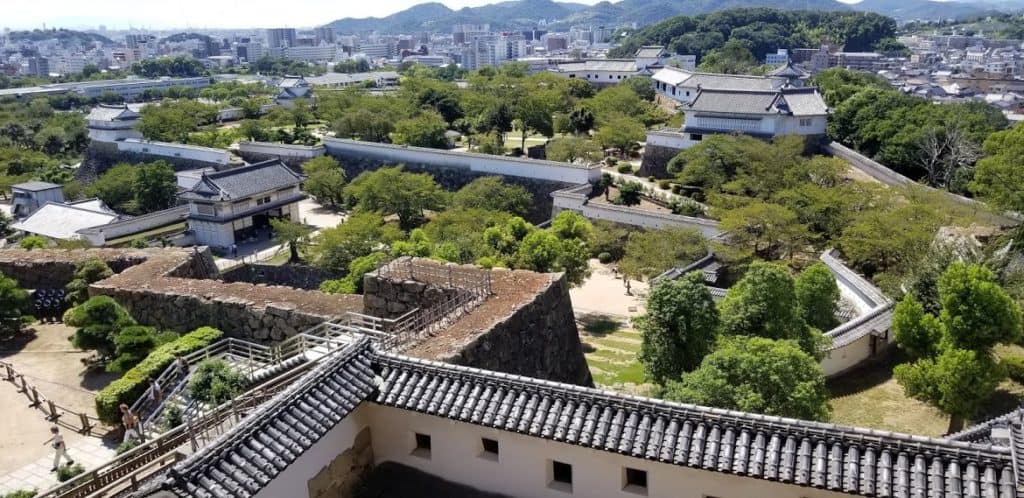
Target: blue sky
pixel 119 14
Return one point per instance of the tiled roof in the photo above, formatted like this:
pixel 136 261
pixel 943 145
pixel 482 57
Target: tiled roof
pixel 63 221
pixel 246 181
pixel 104 112
pixel 843 459
pixel 982 432
pixel 270 439
pixel 677 76
pixel 35 186
pixel 790 101
pixel 650 51
pixel 622 66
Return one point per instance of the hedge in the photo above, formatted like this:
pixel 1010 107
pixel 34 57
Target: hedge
pixel 1014 366
pixel 133 384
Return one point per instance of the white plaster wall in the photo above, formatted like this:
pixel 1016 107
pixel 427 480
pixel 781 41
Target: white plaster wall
pixel 523 465
pixel 480 163
pixel 217 156
pixel 846 357
pixel 294 481
pixel 668 139
pixel 99 235
pixel 212 234
pixel 290 151
pixel 113 135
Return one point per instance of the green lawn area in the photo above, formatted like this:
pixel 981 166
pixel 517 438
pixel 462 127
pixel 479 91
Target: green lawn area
pixel 871 397
pixel 610 348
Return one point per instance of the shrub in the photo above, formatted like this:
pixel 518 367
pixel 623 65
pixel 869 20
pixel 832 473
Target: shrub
pixel 625 168
pixel 87 272
pixel 32 242
pixel 215 382
pixel 134 382
pixel 604 258
pixel 664 184
pixel 677 188
pixel 15 306
pixel 686 208
pixel 652 179
pixel 23 493
pixel 610 161
pixel 99 321
pixel 1014 366
pixel 173 417
pixel 69 471
pixel 132 345
pixel 126 446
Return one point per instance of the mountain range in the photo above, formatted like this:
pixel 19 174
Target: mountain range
pixel 435 16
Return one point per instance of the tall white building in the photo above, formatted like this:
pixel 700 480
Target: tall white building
pixel 281 37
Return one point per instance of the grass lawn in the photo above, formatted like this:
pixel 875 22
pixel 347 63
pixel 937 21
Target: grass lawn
pixel 611 348
pixel 871 397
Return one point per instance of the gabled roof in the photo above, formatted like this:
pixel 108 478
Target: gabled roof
pixel 790 101
pixel 246 181
pixel 789 71
pixel 611 65
pixel 848 460
pixel 63 221
pixel 35 186
pixel 105 112
pixel 651 52
pixel 677 76
pixel 293 82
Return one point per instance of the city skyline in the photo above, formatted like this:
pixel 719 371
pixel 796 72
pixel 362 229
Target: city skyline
pixel 232 14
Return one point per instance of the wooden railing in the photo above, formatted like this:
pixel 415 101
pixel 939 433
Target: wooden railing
pixel 60 415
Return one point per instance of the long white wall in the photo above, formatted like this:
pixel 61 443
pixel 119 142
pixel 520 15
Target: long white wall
pixel 575 199
pixel 98 236
pixel 478 163
pixel 281 150
pixel 523 465
pixel 177 151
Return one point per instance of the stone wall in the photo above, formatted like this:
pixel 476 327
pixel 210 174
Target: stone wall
pixel 339 478
pixel 55 269
pixel 655 161
pixel 393 298
pixel 453 178
pixel 298 276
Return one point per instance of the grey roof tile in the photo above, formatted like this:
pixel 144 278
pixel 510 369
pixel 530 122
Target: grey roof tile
pixel 245 181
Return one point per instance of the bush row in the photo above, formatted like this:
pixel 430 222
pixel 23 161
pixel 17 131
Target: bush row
pixel 133 384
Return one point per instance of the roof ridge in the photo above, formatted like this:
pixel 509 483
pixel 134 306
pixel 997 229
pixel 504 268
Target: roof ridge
pixel 696 410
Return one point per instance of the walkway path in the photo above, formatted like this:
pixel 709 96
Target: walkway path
pixel 90 452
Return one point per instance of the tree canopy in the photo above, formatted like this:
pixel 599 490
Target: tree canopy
pixel 393 191
pixel 493 194
pixel 679 328
pixel 649 253
pixel 759 375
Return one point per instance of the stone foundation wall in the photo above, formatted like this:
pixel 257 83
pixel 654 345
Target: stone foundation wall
pixel 55 269
pixel 393 298
pixel 655 161
pixel 538 340
pixel 339 478
pixel 298 276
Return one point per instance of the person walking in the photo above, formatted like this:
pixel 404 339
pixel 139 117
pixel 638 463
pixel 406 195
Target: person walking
pixel 131 424
pixel 180 362
pixel 60 450
pixel 156 392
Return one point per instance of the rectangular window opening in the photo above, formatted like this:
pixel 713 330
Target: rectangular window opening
pixel 561 476
pixel 635 481
pixel 422 445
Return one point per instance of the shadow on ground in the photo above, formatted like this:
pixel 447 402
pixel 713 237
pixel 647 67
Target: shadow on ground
pixel 598 324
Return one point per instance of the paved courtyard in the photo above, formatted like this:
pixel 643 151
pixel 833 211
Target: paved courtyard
pixel 604 293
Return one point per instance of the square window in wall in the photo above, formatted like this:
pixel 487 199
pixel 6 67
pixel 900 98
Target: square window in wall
pixel 561 476
pixel 490 448
pixel 634 481
pixel 422 445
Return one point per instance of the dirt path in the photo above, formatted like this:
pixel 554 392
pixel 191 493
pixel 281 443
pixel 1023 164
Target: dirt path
pixel 49 362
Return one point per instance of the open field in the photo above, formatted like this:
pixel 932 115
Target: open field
pixel 611 348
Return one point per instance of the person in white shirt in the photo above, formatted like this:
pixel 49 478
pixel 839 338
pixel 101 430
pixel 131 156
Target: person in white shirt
pixel 60 450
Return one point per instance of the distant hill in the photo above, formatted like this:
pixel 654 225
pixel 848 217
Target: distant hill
pixel 435 16
pixel 64 35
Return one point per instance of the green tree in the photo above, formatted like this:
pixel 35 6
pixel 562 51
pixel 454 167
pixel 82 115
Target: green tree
pixel 999 176
pixel 154 186
pixel 426 130
pixel 581 120
pixel 325 180
pixel 491 193
pixel 916 332
pixel 255 130
pixel 643 86
pixel 543 251
pixel 215 382
pixel 769 230
pixel 131 345
pixel 764 304
pixel 359 235
pixel 629 194
pixel 620 133
pixel 759 375
pixel 679 329
pixel 292 234
pixel 573 149
pixel 365 124
pixel 976 312
pixel 732 58
pixel 99 320
pixel 880 240
pixel 87 272
pixel 393 191
pixel 649 253
pixel 15 306
pixel 114 187
pixel 33 242
pixel 817 295
pixel 956 382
